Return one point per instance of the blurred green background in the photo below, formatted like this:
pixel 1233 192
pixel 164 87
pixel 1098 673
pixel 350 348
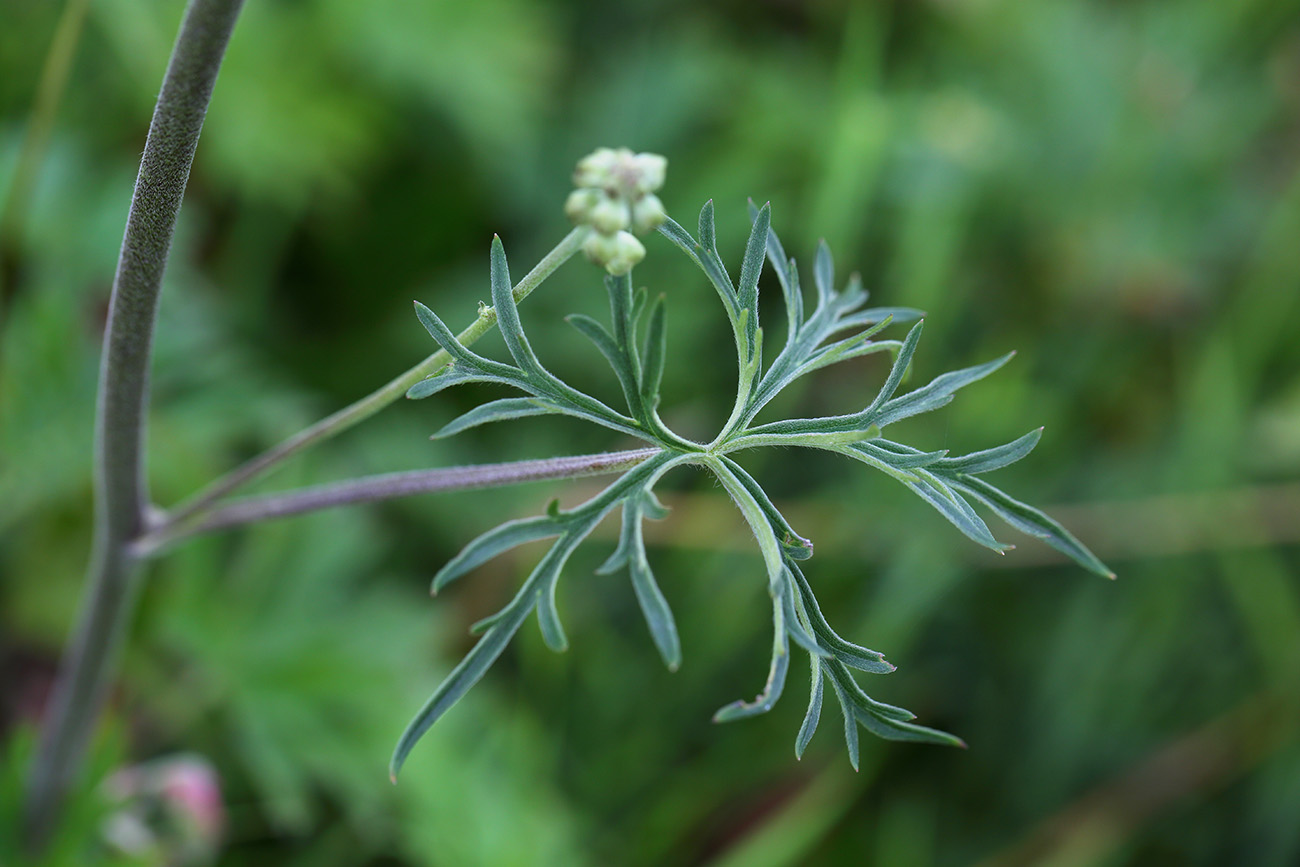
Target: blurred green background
pixel 1112 188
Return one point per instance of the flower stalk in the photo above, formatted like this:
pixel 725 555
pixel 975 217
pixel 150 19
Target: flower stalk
pixel 388 486
pixel 387 394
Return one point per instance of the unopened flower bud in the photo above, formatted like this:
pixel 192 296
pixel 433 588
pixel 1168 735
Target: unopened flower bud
pixel 597 168
pixel 648 214
pixel 621 172
pixel 609 215
pixel 616 194
pixel 600 248
pixel 651 171
pixel 627 252
pixel 579 204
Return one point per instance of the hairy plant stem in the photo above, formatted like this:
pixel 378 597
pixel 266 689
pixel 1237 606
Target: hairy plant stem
pixel 381 397
pixel 120 493
pixel 388 486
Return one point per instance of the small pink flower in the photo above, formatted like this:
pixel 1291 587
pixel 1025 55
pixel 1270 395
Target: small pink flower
pixel 169 807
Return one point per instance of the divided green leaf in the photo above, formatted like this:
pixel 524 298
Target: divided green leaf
pixel 837 327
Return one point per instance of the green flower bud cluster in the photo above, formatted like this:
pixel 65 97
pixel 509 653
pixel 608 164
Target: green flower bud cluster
pixel 615 197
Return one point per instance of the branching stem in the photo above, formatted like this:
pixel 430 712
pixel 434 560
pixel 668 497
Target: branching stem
pixel 387 487
pixel 383 396
pixel 120 492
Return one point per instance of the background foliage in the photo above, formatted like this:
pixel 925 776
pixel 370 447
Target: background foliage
pixel 1110 188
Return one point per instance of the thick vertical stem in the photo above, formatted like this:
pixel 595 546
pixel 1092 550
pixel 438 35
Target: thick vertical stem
pixel 121 496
